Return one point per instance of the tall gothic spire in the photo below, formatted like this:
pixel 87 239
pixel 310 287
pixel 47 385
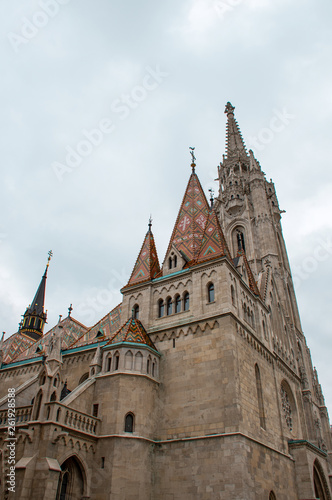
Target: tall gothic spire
pixel 235 147
pixel 34 317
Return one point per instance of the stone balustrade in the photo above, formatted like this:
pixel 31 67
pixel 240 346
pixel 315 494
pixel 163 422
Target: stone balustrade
pixel 22 415
pixel 72 418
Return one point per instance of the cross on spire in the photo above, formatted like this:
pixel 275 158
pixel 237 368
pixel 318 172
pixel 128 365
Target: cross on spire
pixel 50 255
pixel 70 308
pixel 193 159
pixel 150 223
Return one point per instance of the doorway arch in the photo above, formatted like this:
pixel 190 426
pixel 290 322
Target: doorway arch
pixel 72 481
pixel 320 483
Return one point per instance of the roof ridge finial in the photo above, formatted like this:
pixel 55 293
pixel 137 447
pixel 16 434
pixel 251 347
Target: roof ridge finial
pixel 211 191
pixel 70 308
pixel 193 159
pixel 150 223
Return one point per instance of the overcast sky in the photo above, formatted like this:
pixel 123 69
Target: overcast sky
pixel 100 101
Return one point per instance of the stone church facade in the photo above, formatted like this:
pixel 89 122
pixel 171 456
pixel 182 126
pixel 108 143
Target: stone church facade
pixel 199 385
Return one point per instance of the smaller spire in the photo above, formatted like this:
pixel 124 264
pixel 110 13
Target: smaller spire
pixel 34 317
pixel 70 308
pixel 235 147
pixel 147 264
pixel 193 159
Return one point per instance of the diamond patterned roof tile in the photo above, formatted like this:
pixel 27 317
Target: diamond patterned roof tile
pixel 213 242
pixel 147 264
pixel 191 220
pixel 132 331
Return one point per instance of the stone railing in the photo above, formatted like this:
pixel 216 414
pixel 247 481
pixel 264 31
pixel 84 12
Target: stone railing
pixel 22 415
pixel 74 419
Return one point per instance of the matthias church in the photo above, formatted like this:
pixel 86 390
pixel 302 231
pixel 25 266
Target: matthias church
pixel 199 385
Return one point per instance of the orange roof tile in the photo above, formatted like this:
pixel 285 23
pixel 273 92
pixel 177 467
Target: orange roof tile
pixel 213 242
pixel 132 331
pixel 147 264
pixel 190 223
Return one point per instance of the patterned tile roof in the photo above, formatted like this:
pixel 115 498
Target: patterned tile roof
pixel 15 345
pixel 71 330
pixel 190 223
pixel 213 242
pixel 107 326
pixel 132 331
pixel 147 264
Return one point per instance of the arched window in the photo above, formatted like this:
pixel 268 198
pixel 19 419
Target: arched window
pixel 55 382
pixel 38 404
pixel 136 311
pixel 129 422
pixel 53 396
pixel 210 290
pixel 286 405
pixel 42 379
pixel 109 363
pixel 138 362
pixel 177 304
pixel 32 321
pixel 129 360
pixel 161 308
pixel 260 398
pixel 58 413
pixel 169 306
pixel 252 319
pixel 83 378
pixel 186 301
pixel 272 496
pixel 153 368
pixel 148 366
pixel 38 324
pixel 116 362
pixel 170 263
pixel 233 295
pixel 48 413
pixel 264 330
pixel 175 260
pixel 240 241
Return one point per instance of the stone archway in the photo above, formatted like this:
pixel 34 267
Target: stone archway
pixel 320 483
pixel 71 480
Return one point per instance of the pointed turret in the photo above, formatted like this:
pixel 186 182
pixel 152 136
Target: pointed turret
pixel 34 317
pixel 235 147
pixel 190 223
pixel 147 264
pixel 133 332
pixel 213 243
